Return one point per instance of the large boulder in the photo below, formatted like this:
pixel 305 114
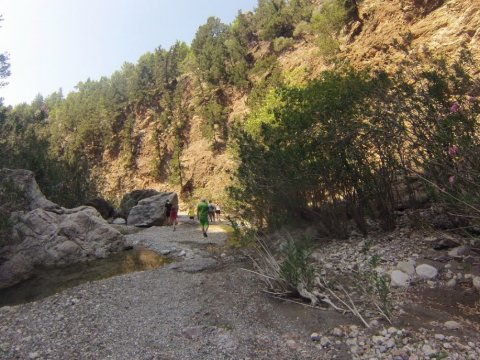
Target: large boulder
pixel 41 233
pixel 131 199
pixel 46 238
pixel 151 211
pixel 22 190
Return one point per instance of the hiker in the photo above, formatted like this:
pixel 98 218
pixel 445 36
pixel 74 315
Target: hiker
pixel 217 212
pixel 211 211
pixel 168 209
pixel 173 216
pixel 202 215
pixel 191 212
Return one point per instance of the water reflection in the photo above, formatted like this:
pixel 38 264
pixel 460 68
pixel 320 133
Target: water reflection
pixel 48 281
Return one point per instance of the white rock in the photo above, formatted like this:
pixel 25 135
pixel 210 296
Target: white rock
pixel 427 350
pixel 452 325
pixel 119 221
pixel 439 336
pixel 476 282
pixel 182 253
pixel 458 251
pixel 33 355
pixel 390 344
pixel 315 337
pixel 337 332
pixel 399 279
pixel 451 283
pixel 425 271
pixel 447 346
pixel 408 267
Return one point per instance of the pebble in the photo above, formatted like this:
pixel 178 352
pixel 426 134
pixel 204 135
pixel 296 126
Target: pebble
pixel 315 337
pixel 452 325
pixel 425 271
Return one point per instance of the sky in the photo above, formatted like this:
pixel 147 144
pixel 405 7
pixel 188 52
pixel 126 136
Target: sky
pixel 56 44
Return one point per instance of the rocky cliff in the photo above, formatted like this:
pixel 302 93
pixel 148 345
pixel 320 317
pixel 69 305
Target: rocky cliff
pixel 384 35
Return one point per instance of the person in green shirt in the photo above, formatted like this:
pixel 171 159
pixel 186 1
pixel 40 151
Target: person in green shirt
pixel 202 215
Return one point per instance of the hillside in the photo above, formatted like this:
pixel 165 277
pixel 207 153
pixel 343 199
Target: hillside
pixel 168 122
pixel 388 33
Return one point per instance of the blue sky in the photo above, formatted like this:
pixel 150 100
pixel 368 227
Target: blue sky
pixel 57 43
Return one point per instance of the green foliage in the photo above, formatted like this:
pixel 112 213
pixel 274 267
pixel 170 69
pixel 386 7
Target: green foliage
pixel 326 23
pixel 214 125
pixel 210 51
pixel 243 235
pixel 278 18
pixel 280 44
pixel 4 66
pixel 295 268
pixel 377 286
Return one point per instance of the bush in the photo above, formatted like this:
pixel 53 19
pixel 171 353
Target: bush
pixel 280 44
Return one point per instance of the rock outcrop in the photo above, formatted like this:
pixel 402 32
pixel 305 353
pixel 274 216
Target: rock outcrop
pixel 45 234
pixel 131 199
pixel 151 211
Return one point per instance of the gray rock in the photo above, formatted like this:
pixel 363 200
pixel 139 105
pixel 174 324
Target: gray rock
pixel 119 221
pixel 428 350
pixel 425 271
pixel 50 239
pixel 315 337
pixel 408 267
pixel 399 279
pixel 337 332
pixel 23 182
pixel 325 341
pixel 131 199
pixel 151 211
pixel 451 283
pixel 476 282
pixel 459 251
pixel 452 325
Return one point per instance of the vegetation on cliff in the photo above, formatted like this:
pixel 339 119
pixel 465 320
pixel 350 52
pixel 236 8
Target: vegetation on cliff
pixel 313 145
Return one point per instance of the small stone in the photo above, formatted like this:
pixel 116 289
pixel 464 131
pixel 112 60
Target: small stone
pixel 399 279
pixel 428 350
pixel 448 266
pixel 408 267
pixel 439 337
pixel 425 271
pixel 459 251
pixel 354 350
pixel 33 355
pixel 325 342
pixel 390 344
pixel 315 337
pixel 182 253
pixel 392 330
pixel 378 339
pixel 451 283
pixel 476 282
pixel 431 283
pixel 447 346
pixel 452 325
pixel 351 342
pixel 468 276
pixel 337 332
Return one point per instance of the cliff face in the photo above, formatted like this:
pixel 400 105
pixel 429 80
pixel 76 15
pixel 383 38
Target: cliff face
pixel 387 33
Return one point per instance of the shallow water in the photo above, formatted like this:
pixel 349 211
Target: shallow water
pixel 48 281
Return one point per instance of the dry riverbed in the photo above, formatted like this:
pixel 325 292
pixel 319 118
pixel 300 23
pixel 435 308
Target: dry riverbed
pixel 204 306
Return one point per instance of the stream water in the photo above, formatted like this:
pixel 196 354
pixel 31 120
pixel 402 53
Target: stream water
pixel 48 281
